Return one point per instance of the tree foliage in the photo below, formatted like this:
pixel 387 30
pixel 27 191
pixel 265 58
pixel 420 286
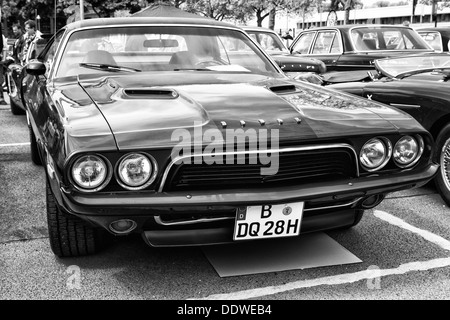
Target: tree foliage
pixel 240 11
pixel 345 5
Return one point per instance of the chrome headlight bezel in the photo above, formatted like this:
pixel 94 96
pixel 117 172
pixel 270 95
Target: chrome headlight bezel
pixel 150 180
pixel 420 149
pixel 107 165
pixel 387 153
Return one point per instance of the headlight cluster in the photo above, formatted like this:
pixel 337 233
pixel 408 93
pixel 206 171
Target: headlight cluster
pixel 134 171
pixel 90 173
pixel 377 152
pixel 407 151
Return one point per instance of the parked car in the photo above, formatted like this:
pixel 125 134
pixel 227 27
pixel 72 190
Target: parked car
pixel 272 43
pixel 188 143
pixel 15 73
pixel 438 38
pixel 355 47
pixel 419 85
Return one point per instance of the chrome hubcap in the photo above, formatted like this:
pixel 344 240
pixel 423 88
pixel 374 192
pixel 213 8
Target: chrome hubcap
pixel 445 164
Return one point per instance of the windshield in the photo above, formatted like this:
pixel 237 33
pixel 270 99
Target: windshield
pixel 161 48
pixel 387 38
pixel 394 67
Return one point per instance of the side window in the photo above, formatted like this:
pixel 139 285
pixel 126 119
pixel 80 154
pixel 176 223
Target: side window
pixel 335 47
pixel 326 42
pixel 408 43
pixel 402 42
pixel 433 39
pixel 48 53
pixel 303 43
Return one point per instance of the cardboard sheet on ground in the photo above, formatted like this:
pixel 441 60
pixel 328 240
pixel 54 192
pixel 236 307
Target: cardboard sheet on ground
pixel 303 252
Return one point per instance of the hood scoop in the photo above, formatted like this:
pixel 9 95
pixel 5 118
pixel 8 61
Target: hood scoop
pixel 287 88
pixel 150 93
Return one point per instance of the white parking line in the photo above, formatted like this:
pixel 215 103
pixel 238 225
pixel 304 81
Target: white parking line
pixel 427 235
pixel 332 280
pixel 14 144
pixel 356 276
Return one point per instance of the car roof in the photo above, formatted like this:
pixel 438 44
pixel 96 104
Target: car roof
pixel 440 29
pixel 147 20
pixel 253 28
pixel 351 26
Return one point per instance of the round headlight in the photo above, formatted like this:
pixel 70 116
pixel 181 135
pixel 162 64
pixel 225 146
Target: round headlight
pixel 374 154
pixel 136 171
pixel 407 151
pixel 89 172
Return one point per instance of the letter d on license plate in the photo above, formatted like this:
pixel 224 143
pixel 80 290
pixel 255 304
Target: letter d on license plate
pixel 268 221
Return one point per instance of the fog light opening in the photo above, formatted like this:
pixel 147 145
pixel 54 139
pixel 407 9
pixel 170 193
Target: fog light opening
pixel 372 201
pixel 122 226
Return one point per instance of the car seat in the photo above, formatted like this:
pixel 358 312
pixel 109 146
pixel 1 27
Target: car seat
pixel 370 44
pixel 183 58
pixel 99 57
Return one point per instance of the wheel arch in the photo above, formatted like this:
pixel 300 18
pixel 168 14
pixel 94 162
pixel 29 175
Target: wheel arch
pixel 438 125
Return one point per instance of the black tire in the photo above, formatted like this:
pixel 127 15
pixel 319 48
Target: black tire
pixel 34 151
pixel 69 236
pixel 15 109
pixel 441 155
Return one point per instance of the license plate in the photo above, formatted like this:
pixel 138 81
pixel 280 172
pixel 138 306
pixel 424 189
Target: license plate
pixel 268 221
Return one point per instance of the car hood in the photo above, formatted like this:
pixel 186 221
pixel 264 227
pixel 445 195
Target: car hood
pixel 145 111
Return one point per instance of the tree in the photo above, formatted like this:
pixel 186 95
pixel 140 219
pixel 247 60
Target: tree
pixel 346 5
pixel 382 4
pixel 219 9
pixel 268 8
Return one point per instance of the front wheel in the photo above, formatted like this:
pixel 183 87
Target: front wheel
pixel 441 155
pixel 15 109
pixel 69 236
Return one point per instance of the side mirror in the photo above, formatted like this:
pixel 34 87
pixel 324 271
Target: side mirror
pixel 35 68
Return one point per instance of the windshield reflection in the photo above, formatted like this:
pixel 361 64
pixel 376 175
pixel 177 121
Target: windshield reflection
pixel 393 67
pixel 162 48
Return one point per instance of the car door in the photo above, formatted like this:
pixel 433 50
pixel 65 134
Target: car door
pixel 37 97
pixel 323 45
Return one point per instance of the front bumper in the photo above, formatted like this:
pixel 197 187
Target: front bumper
pixel 326 206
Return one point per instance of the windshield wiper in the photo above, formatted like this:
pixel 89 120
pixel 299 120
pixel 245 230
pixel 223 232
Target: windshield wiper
pixel 191 69
pixel 107 67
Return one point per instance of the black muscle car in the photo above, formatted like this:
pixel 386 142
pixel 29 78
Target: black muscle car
pixel 152 126
pixel 419 85
pixel 355 47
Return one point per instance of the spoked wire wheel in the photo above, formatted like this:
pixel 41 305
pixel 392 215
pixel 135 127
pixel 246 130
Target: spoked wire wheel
pixel 442 155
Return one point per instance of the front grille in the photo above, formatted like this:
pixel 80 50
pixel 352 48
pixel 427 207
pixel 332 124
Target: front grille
pixel 295 168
